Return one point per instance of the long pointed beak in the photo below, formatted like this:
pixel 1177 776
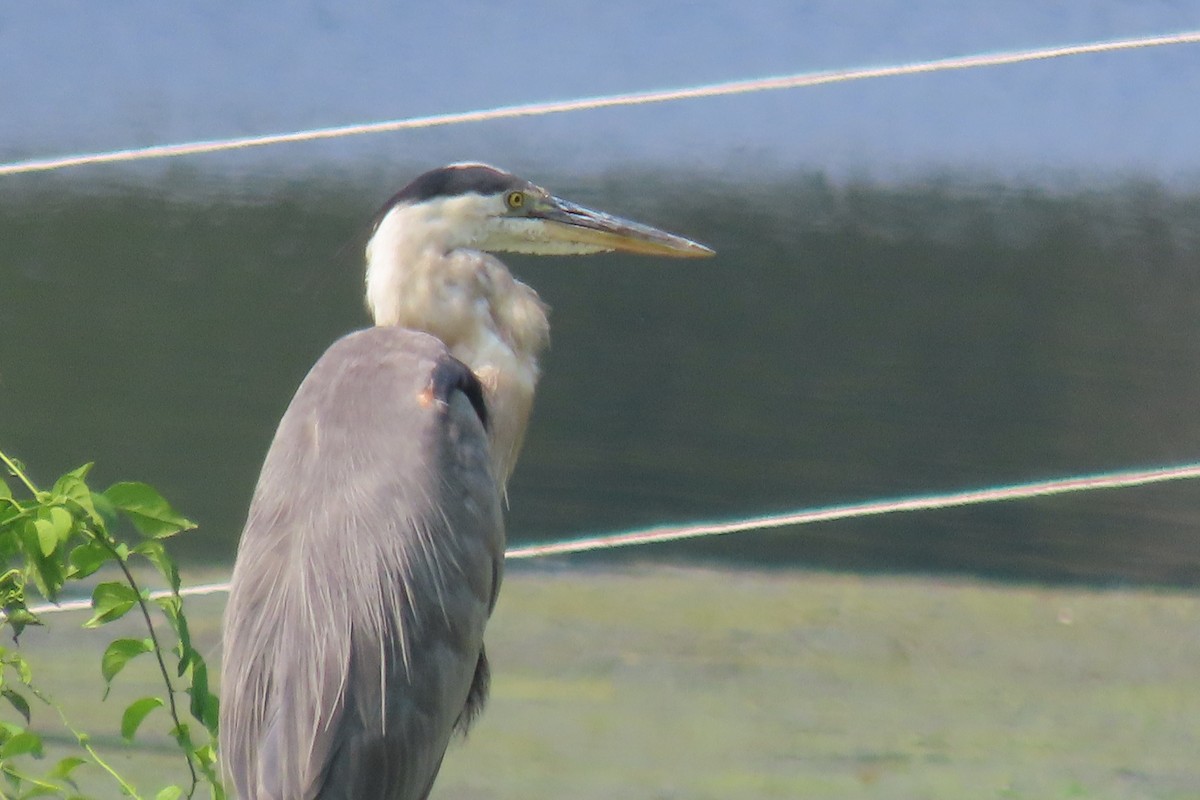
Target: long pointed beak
pixel 574 225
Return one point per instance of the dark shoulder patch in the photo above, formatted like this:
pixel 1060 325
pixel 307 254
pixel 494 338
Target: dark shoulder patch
pixel 451 375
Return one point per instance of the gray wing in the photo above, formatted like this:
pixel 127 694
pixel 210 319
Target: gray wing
pixel 371 559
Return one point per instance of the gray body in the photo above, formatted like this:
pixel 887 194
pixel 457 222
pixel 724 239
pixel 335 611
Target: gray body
pixel 368 567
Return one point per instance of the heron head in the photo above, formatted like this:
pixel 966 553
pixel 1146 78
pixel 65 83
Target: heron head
pixel 429 268
pixel 478 207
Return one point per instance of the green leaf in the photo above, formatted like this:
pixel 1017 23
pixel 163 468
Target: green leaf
pixel 53 526
pixel 9 509
pixel 187 654
pixel 212 714
pixel 169 793
pixel 154 552
pixel 182 735
pixel 105 510
pixel 81 471
pixel 5 492
pixel 20 744
pixel 63 769
pixel 132 719
pixel 110 601
pixel 172 608
pixel 47 573
pixel 62 521
pixel 118 654
pixel 206 754
pixel 18 619
pixel 18 702
pixel 150 513
pixel 47 536
pixel 72 487
pixel 18 662
pixel 199 690
pixel 29 537
pixel 87 558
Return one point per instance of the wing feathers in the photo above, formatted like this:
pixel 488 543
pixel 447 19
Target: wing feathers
pixel 369 564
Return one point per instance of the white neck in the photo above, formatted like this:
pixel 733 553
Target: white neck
pixel 422 275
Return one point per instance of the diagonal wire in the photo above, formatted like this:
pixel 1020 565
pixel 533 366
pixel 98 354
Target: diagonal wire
pixel 668 533
pixel 969 497
pixel 794 81
pixel 799 80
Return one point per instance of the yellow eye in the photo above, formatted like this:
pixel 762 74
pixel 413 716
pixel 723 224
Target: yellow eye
pixel 515 200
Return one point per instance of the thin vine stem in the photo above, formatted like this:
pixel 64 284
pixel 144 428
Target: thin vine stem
pixel 158 655
pixel 15 470
pixel 83 741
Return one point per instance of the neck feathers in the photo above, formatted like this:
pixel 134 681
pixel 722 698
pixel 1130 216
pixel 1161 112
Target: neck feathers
pixel 420 275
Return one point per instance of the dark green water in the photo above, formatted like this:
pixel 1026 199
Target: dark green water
pixel 849 342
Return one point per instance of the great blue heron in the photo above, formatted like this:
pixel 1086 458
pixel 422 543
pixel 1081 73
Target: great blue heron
pixel 372 555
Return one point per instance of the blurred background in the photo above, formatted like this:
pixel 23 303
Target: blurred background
pixel 923 283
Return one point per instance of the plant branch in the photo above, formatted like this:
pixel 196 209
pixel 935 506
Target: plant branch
pixel 15 470
pixel 158 654
pixel 126 788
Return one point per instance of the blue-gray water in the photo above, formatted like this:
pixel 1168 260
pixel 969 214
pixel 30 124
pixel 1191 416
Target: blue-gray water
pixel 923 284
pixel 849 341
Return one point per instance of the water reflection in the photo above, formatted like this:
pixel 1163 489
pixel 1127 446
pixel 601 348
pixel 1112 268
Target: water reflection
pixel 849 341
